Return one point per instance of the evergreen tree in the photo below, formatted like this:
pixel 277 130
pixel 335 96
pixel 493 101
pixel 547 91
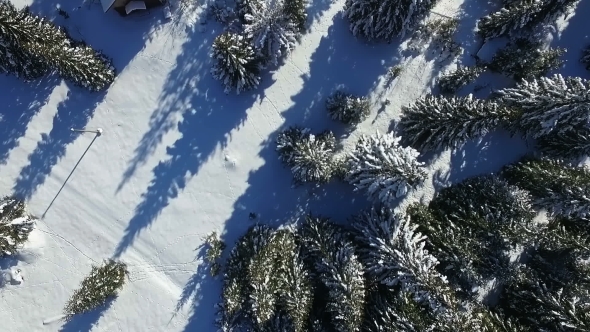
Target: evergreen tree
pixel 438 122
pixel 339 270
pixel 310 157
pixel 348 108
pixel 271 30
pixel 549 104
pixel 561 189
pixel 384 20
pixel 32 46
pixel 585 58
pixel 438 35
pixel 522 16
pixel 297 11
pixel 453 81
pixel 15 225
pixel 103 283
pixel 569 144
pixel 385 169
pixel 236 63
pixel 393 254
pixel 524 59
pixel 248 7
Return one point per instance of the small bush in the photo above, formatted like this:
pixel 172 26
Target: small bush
pixel 348 108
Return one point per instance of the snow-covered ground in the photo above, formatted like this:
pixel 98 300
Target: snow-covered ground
pixel 178 158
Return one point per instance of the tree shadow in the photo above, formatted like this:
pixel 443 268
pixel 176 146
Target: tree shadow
pixel 484 156
pixel 73 112
pixel 87 321
pixel 207 117
pixel 270 195
pixel 21 101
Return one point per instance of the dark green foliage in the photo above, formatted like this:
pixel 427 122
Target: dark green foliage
pixel 213 252
pixel 569 144
pixel 103 283
pixel 31 47
pixel 455 80
pixel 244 7
pixel 235 63
pixel 524 59
pixel 561 189
pixel 348 108
pixel 15 225
pixel 437 122
pixel 296 9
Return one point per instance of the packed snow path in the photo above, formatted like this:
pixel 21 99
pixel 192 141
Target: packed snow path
pixel 178 158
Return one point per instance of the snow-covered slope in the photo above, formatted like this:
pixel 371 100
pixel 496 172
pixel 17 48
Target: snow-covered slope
pixel 178 158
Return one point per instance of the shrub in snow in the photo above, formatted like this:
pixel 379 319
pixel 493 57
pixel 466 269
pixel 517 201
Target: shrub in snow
pixel 549 104
pixel 213 252
pixel 236 64
pixel 438 122
pixel 569 144
pixel 460 77
pixel 585 59
pixel 385 169
pixel 384 20
pixel 523 59
pixel 393 253
pixel 103 283
pixel 310 157
pixel 561 189
pixel 438 33
pixel 271 29
pixel 15 225
pixel 33 46
pixel 338 269
pixel 348 108
pixel 522 17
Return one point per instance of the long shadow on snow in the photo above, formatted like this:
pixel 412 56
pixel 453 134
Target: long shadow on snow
pixel 339 59
pixel 208 116
pixel 74 112
pixel 85 322
pixel 20 102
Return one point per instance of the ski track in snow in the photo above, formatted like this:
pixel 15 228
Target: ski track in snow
pixel 177 197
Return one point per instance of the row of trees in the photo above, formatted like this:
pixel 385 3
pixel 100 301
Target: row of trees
pixel 32 47
pixel 426 268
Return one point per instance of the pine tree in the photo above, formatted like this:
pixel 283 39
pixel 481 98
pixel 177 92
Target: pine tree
pixel 569 144
pixel 438 35
pixel 385 20
pixel 247 7
pixel 339 270
pixel 561 189
pixel 15 225
pixel 393 253
pixel 271 30
pixel 453 81
pixel 524 59
pixel 385 169
pixel 549 104
pixel 438 122
pixel 32 47
pixel 310 157
pixel 348 108
pixel 297 11
pixel 236 64
pixel 522 16
pixel 103 283
pixel 585 58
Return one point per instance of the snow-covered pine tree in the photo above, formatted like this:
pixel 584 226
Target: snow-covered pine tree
pixel 561 189
pixel 522 16
pixel 549 104
pixel 569 144
pixel 385 169
pixel 525 59
pixel 387 19
pixel 452 81
pixel 247 7
pixel 393 253
pixel 585 58
pixel 338 268
pixel 438 122
pixel 235 62
pixel 15 225
pixel 310 157
pixel 234 307
pixel 103 283
pixel 437 34
pixel 297 11
pixel 271 30
pixel 348 108
pixel 48 48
